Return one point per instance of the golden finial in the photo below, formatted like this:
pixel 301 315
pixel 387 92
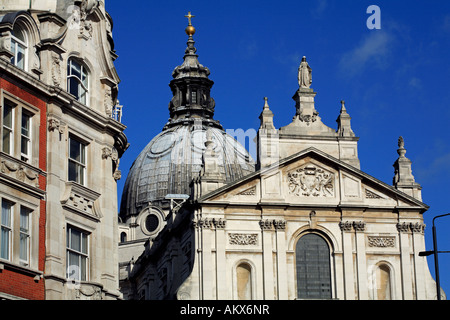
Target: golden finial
pixel 190 30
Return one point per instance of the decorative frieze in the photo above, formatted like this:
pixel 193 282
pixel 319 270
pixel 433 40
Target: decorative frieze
pixel 371 195
pixel 311 181
pixel 248 192
pixel 243 239
pixel 18 171
pixel 381 241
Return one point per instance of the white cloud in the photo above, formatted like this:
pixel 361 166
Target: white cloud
pixel 373 50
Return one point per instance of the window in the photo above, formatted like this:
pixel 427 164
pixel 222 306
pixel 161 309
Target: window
pixel 77 81
pixel 313 268
pixel 77 161
pixel 77 254
pixel 24 234
pixel 25 139
pixel 18 47
pixel 8 120
pixel 17 130
pixel 6 231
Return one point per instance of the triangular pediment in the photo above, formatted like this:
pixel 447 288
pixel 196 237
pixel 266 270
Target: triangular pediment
pixel 312 177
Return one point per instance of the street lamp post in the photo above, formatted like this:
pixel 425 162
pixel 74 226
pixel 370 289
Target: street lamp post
pixel 435 252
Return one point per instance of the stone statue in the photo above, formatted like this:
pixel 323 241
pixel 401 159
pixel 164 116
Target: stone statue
pixel 304 74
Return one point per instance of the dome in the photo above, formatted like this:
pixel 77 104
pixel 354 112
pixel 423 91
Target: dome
pixel 173 158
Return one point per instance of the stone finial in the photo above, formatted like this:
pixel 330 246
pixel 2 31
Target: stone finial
pixel 401 147
pixel 266 117
pixel 403 177
pixel 344 126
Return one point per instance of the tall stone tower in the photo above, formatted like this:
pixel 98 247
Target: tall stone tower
pixel 62 142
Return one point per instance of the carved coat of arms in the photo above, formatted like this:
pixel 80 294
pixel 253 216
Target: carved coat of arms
pixel 311 181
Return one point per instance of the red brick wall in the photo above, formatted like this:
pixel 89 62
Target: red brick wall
pixel 11 281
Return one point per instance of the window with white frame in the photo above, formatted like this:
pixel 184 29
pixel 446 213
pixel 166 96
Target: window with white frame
pixel 8 125
pixel 77 160
pixel 6 230
pixel 19 47
pixel 25 138
pixel 78 80
pixel 25 233
pixel 77 254
pixel 17 129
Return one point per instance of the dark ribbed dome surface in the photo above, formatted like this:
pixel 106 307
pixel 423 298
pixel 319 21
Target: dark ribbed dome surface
pixel 173 158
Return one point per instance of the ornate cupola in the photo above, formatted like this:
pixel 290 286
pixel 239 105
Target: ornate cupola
pixel 191 88
pixel 191 144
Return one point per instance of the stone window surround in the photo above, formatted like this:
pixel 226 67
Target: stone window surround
pixel 21 107
pixel 33 250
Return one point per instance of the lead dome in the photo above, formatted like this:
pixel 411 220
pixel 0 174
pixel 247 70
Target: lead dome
pixel 172 159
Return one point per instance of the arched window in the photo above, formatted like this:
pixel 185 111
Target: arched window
pixel 244 281
pixel 383 280
pixel 19 47
pixel 123 237
pixel 78 80
pixel 313 267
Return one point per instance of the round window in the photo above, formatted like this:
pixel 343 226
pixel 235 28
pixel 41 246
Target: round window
pixel 151 223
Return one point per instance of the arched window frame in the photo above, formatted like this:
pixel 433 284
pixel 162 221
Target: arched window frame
pixel 252 268
pixel 19 46
pixel 374 280
pixel 22 23
pixel 78 85
pixel 331 259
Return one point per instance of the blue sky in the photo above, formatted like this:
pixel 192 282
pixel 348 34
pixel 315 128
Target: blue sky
pixel 395 80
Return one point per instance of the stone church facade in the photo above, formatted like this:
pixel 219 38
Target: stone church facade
pixel 201 220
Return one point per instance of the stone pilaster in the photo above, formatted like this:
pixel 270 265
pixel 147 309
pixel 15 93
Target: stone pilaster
pixel 347 248
pixel 267 246
pixel 405 260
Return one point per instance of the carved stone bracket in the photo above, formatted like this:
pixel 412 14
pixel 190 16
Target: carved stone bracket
pixel 111 152
pixel 348 226
pixel 210 223
pixel 81 200
pixel 243 239
pixel 413 227
pixel 55 124
pixel 268 224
